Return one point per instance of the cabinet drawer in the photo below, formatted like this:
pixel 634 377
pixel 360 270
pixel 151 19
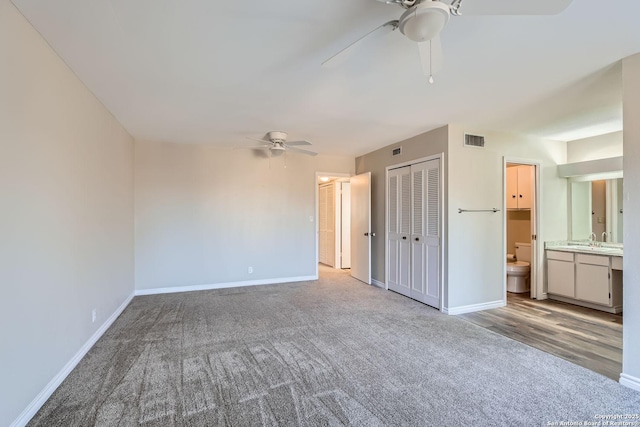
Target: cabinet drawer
pixel 592 259
pixel 616 262
pixel 560 256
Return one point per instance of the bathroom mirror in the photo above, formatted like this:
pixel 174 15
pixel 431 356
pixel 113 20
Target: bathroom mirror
pixel 596 207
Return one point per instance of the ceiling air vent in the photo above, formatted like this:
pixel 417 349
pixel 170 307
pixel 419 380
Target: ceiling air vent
pixel 396 151
pixel 473 140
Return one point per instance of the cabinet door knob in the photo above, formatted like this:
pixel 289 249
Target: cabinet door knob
pixel 521 196
pixel 404 237
pixel 513 196
pixel 366 234
pixel 417 239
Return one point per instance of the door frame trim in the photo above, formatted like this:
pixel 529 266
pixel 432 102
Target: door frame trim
pixel 441 225
pixel 317 209
pixel 537 288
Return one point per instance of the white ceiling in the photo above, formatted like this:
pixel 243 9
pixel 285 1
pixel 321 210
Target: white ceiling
pixel 211 71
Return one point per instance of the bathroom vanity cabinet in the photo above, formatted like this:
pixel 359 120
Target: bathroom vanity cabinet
pixel 590 280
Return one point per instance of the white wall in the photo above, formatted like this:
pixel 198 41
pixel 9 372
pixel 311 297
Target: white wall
pixel 203 215
pixel 66 209
pixel 594 148
pixel 631 268
pixel 475 240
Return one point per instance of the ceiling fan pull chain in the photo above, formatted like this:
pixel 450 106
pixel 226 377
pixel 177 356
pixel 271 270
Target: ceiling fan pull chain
pixel 430 65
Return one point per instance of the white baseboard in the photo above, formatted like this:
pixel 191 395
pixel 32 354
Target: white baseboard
pixel 174 289
pixel 378 284
pixel 473 307
pixel 629 381
pixel 46 392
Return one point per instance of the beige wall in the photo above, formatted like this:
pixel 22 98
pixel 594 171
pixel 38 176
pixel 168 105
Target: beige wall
pixel 203 215
pixel 66 181
pixel 594 148
pixel 475 240
pixel 376 162
pixel 631 194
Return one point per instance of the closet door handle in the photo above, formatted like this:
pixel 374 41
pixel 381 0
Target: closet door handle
pixel 404 237
pixel 417 239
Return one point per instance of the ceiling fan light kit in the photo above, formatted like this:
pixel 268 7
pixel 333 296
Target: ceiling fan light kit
pixel 424 21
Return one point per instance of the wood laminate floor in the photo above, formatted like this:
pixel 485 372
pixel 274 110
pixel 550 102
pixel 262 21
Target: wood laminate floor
pixel 586 337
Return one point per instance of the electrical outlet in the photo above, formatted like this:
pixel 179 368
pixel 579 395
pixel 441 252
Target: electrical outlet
pixel 94 314
pixel 250 270
pixel 311 218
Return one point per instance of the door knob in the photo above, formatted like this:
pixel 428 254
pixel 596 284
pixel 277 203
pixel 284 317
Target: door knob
pixel 373 234
pixel 366 234
pixel 417 239
pixel 404 237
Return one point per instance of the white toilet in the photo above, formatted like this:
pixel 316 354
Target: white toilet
pixel 518 268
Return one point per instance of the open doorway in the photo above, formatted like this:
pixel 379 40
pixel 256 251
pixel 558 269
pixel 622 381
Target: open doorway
pixel 522 275
pixel 333 195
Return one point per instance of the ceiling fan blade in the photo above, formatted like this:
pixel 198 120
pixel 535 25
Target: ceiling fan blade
pixel 298 143
pixel 345 53
pixel 260 140
pixel 513 7
pixel 431 57
pixel 300 150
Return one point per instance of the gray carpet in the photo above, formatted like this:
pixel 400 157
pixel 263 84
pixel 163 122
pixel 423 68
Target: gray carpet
pixel 330 352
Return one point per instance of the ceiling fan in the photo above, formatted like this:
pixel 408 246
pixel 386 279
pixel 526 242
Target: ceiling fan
pixel 277 144
pixel 423 20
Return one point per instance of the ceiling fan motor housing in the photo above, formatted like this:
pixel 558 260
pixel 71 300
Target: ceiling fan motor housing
pixel 424 21
pixel 277 136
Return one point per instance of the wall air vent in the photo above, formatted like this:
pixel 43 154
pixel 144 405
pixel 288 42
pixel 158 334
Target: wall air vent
pixel 396 151
pixel 473 140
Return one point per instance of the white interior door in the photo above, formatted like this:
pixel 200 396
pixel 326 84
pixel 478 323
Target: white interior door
pixel 345 225
pixel 361 227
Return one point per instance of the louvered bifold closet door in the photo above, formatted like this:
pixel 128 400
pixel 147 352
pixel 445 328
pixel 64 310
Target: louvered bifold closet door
pixel 425 232
pixel 399 232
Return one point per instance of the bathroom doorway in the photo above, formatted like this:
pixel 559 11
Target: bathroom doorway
pixel 521 213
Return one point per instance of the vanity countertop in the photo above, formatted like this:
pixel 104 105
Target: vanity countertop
pixel 607 249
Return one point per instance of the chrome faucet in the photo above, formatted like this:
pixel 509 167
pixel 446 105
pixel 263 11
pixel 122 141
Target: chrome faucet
pixel 592 237
pixel 604 236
